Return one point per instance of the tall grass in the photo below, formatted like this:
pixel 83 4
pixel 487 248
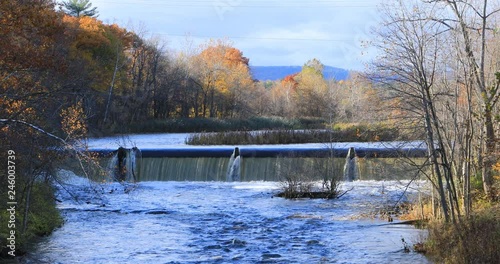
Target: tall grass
pixel 43 218
pixel 472 240
pixel 288 136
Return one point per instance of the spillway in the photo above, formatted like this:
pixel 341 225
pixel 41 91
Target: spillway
pixel 164 162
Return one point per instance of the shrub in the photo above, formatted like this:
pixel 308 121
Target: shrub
pixel 298 179
pixel 473 240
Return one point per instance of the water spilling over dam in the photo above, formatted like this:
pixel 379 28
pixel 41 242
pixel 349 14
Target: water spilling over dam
pixel 164 162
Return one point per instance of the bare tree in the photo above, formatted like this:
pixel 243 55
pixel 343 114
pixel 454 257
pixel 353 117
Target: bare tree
pixel 411 48
pixel 473 21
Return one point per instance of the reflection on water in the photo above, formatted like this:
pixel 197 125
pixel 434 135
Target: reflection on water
pixel 237 222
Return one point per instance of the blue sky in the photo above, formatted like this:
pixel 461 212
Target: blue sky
pixel 270 33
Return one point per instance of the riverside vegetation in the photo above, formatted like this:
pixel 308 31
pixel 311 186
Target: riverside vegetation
pixel 339 133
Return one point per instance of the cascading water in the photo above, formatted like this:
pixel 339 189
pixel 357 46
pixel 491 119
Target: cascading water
pixel 351 170
pixel 262 169
pixel 233 168
pixel 124 164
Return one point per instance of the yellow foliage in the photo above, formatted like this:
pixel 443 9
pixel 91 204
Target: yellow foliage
pixel 73 121
pixel 17 107
pixel 497 166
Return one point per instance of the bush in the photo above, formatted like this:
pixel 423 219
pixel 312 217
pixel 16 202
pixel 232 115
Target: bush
pixel 473 240
pixel 294 178
pixel 43 218
pixel 298 179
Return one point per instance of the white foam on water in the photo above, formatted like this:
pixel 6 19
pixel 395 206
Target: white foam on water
pixel 204 222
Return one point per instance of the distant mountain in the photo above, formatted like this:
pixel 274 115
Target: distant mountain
pixel 273 73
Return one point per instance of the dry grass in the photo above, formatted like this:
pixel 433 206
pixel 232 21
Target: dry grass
pixel 473 240
pixel 359 133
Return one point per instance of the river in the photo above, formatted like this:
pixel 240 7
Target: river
pixel 226 222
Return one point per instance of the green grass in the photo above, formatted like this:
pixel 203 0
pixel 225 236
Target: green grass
pixel 43 218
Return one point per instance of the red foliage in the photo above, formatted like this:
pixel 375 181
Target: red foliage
pixel 290 81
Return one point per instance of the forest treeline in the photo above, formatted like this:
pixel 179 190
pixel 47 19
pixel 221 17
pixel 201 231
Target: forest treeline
pixel 117 78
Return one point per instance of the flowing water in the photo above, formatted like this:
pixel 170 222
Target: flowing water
pixel 222 222
pixel 184 211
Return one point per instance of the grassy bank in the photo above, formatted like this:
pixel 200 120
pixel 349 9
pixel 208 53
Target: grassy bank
pixel 473 240
pixel 43 218
pixel 351 133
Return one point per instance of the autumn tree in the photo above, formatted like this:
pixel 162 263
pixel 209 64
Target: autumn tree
pixel 357 100
pixel 312 91
pixel 222 74
pixel 98 52
pixel 35 85
pixel 283 95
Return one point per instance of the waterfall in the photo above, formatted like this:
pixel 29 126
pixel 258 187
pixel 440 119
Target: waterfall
pixel 233 168
pixel 351 170
pixel 124 164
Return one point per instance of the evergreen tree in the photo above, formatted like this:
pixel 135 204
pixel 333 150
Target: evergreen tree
pixel 79 8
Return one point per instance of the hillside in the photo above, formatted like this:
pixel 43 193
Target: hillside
pixel 264 73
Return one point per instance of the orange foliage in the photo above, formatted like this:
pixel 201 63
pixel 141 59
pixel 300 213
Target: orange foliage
pixel 223 72
pixel 97 45
pixel 28 35
pixel 234 57
pixel 290 81
pixel 88 31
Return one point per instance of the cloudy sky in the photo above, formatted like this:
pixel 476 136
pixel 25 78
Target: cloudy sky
pixel 270 33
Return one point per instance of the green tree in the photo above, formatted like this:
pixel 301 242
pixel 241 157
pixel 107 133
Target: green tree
pixel 79 8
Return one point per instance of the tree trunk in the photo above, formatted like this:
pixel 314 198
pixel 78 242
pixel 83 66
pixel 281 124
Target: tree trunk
pixel 111 86
pixel 433 154
pixel 488 158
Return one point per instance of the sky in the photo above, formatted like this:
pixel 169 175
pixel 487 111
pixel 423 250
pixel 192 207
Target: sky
pixel 269 33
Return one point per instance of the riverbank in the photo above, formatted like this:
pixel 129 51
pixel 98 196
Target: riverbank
pixel 284 130
pixel 197 125
pixel 42 219
pixel 350 133
pixel 471 240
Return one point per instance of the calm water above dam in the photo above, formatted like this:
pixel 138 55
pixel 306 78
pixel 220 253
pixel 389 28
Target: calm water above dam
pixel 182 211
